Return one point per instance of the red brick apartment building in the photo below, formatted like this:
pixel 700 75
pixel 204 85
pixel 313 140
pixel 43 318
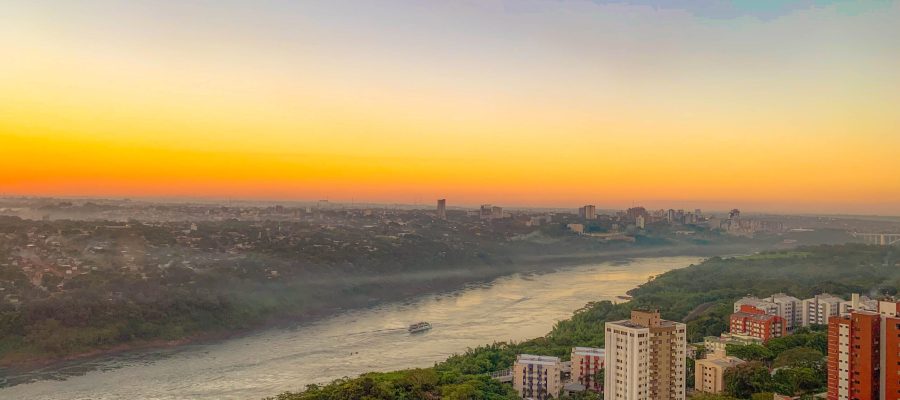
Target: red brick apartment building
pixel 753 322
pixel 864 355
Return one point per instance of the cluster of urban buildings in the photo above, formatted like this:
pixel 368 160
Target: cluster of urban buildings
pixel 757 320
pixel 863 341
pixel 634 218
pixel 544 377
pixel 644 358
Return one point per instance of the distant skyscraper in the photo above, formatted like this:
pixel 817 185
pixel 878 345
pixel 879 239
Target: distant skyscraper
pixel 442 209
pixel 634 212
pixel 496 212
pixel 485 211
pixel 588 212
pixel 639 221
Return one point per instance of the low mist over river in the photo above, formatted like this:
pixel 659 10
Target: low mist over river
pixel 515 307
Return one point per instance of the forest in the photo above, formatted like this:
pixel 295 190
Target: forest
pixel 699 295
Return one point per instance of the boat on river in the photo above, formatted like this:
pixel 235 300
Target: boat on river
pixel 419 327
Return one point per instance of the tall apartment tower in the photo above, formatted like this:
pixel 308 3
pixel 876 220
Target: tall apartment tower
pixel 863 354
pixel 645 358
pixel 588 212
pixel 537 377
pixel 442 209
pixel 854 356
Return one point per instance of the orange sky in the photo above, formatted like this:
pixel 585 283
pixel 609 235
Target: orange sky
pixel 797 112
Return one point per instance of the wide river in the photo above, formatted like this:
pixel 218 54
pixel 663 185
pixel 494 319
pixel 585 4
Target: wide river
pixel 515 307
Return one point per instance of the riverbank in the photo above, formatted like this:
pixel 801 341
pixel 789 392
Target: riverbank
pixel 387 289
pixel 514 307
pixel 840 270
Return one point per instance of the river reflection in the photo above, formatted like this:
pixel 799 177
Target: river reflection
pixel 515 307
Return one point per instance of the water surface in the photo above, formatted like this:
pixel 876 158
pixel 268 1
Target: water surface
pixel 515 307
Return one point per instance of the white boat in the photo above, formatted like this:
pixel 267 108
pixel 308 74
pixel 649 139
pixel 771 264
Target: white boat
pixel 419 327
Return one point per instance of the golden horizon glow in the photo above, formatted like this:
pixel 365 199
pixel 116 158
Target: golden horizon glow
pixel 705 115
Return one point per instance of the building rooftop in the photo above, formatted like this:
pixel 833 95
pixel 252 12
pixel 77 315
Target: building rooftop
pixel 826 297
pixel 588 351
pixel 755 316
pixel 784 296
pixel 533 359
pixel 631 324
pixel 726 362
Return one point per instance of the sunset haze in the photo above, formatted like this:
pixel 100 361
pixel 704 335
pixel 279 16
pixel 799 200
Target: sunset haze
pixel 525 103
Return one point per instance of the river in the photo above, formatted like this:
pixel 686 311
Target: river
pixel 514 307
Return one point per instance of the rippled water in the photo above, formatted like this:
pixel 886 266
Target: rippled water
pixel 510 308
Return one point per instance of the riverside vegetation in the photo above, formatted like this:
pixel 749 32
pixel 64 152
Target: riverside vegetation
pixel 700 295
pixel 80 287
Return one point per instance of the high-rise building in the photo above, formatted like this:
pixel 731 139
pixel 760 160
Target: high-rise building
pixel 537 377
pixel 854 356
pixel 645 358
pixel 640 222
pixel 634 212
pixel 709 372
pixel 486 211
pixel 753 322
pixel 442 208
pixel 586 363
pixel 588 212
pixel 864 354
pixel 817 310
pixel 496 212
pixel 889 376
pixel 670 216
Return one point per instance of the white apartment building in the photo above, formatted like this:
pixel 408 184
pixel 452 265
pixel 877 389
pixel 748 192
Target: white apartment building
pixel 645 358
pixel 817 310
pixel 765 305
pixel 858 303
pixel 537 377
pixel 780 304
pixel 789 309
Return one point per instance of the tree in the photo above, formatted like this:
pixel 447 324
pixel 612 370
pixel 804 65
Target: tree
pixel 708 396
pixel 462 391
pixel 744 380
pixel 799 356
pixel 750 352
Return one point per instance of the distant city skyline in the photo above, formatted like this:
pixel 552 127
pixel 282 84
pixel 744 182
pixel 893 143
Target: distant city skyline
pixel 766 106
pixel 426 204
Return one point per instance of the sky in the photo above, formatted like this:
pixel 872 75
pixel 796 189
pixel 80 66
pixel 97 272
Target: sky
pixel 761 105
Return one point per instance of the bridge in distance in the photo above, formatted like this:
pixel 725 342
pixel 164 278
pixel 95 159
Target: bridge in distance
pixel 884 239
